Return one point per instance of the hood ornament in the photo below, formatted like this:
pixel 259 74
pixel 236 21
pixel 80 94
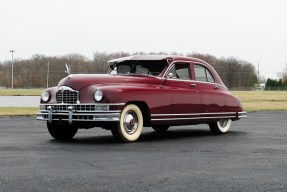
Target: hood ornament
pixel 68 69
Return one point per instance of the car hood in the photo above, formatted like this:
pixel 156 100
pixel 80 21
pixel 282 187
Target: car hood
pixel 79 81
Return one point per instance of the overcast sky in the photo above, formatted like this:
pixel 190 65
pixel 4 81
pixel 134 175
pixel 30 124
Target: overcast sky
pixel 251 30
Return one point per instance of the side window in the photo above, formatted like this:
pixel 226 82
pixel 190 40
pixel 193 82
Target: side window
pixel 209 76
pixel 203 74
pixel 199 73
pixel 123 69
pixel 179 71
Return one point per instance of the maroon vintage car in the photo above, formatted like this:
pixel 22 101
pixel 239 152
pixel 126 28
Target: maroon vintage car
pixel 155 91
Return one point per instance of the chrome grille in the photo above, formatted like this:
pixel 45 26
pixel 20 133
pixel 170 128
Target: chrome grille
pixel 67 96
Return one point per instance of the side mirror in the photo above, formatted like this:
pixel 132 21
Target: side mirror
pixel 170 75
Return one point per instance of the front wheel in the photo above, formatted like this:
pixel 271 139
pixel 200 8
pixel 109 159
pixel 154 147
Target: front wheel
pixel 220 127
pixel 131 124
pixel 61 131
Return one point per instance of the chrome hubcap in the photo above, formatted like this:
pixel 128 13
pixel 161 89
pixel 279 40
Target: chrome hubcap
pixel 130 122
pixel 223 122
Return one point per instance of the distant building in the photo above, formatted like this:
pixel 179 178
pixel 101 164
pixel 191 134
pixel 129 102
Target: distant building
pixel 260 86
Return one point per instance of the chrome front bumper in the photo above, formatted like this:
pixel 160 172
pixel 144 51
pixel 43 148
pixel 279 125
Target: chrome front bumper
pixel 78 112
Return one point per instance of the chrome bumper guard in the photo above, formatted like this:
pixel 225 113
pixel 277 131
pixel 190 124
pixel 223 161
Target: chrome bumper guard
pixel 78 112
pixel 242 114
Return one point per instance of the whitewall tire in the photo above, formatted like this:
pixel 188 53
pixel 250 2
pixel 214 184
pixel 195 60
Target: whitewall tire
pixel 131 124
pixel 220 127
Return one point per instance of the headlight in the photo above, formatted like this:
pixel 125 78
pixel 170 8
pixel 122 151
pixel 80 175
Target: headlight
pixel 98 95
pixel 45 96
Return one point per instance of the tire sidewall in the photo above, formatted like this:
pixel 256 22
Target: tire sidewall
pixel 121 129
pixel 225 128
pixel 61 131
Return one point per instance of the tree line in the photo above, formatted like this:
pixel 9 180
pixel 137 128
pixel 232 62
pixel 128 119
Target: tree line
pixel 34 72
pixel 274 84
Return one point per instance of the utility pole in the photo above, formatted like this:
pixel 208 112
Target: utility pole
pixel 12 83
pixel 48 71
pixel 258 72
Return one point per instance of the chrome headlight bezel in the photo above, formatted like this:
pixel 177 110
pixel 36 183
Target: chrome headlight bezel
pixel 45 96
pixel 98 95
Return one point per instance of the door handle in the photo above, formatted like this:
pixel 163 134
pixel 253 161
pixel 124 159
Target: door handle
pixel 193 85
pixel 216 87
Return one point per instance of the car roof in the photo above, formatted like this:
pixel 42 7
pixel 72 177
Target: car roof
pixel 155 57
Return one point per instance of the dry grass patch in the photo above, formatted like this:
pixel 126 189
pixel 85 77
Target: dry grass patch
pixel 20 92
pixel 262 100
pixel 18 111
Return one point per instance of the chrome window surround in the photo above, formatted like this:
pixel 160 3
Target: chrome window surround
pixel 171 65
pixel 191 80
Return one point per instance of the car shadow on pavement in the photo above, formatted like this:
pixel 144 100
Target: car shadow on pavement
pixel 149 136
pixel 180 134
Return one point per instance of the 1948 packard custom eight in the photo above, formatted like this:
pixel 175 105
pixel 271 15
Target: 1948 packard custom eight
pixel 144 90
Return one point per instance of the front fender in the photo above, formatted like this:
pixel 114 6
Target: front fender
pixel 155 97
pixel 52 91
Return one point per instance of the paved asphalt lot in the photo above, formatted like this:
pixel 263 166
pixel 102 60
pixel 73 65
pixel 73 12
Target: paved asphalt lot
pixel 251 157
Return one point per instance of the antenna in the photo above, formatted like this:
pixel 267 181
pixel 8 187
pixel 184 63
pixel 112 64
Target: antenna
pixel 48 71
pixel 258 73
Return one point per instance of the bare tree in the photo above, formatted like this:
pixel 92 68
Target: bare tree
pixel 283 75
pixel 32 73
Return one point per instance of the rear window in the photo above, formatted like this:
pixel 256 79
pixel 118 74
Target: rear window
pixel 203 74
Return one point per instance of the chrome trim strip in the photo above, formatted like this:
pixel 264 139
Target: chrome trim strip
pixel 170 119
pixel 69 112
pixel 194 81
pixel 114 119
pixel 82 112
pixel 64 88
pixel 191 80
pixel 84 104
pixel 80 107
pixel 242 114
pixel 192 114
pixel 71 117
pixel 171 65
pixel 205 82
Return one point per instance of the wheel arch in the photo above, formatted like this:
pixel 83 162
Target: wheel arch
pixel 144 109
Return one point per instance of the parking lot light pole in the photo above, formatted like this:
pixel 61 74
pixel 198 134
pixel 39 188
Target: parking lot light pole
pixel 12 51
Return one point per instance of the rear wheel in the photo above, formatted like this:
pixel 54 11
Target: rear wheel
pixel 220 127
pixel 131 124
pixel 61 131
pixel 160 128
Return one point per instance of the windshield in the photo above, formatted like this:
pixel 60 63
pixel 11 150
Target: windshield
pixel 141 67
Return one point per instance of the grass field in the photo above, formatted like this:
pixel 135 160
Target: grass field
pixel 20 92
pixel 18 111
pixel 262 100
pixel 251 100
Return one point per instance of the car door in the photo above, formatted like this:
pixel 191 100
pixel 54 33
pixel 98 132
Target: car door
pixel 212 94
pixel 185 98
